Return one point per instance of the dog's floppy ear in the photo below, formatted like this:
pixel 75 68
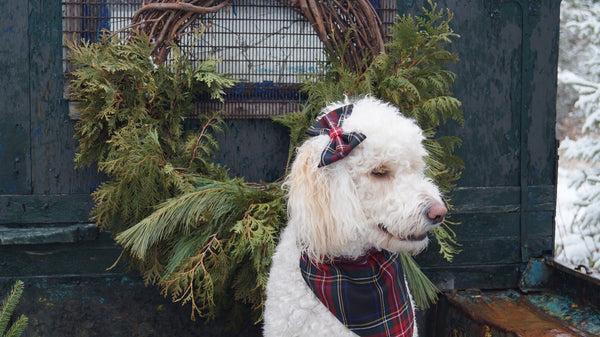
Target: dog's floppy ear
pixel 322 203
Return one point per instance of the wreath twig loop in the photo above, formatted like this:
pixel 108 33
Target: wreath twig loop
pixel 353 27
pixel 166 20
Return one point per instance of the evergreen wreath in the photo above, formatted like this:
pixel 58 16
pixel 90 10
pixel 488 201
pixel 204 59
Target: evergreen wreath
pixel 206 239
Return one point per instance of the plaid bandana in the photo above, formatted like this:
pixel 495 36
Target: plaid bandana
pixel 368 294
pixel 341 143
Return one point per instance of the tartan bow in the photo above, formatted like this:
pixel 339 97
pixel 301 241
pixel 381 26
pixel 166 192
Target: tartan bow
pixel 341 143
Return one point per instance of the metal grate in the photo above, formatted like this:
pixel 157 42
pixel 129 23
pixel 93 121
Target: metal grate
pixel 262 43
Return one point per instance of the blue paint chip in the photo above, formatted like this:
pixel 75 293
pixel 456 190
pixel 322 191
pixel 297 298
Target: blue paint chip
pixel 10 29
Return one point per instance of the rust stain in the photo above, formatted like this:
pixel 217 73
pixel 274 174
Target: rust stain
pixel 510 315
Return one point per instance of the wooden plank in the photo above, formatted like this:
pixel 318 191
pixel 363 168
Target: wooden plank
pixel 76 259
pixel 475 226
pixel 119 306
pixel 541 198
pixel 490 276
pixel 501 313
pixel 484 199
pixel 540 94
pixel 487 83
pixel 538 237
pixel 35 235
pixel 502 199
pixel 15 165
pixel 254 148
pixel 495 250
pixel 44 209
pixel 53 146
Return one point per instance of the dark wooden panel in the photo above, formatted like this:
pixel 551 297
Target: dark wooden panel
pixel 53 146
pixel 486 199
pixel 44 234
pixel 88 258
pixel 44 209
pixel 540 99
pixel 502 199
pixel 477 226
pixel 116 306
pixel 499 276
pixel 495 250
pixel 487 83
pixel 538 235
pixel 15 166
pixel 541 198
pixel 254 148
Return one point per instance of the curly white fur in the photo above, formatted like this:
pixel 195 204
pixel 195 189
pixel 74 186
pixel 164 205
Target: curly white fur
pixel 376 197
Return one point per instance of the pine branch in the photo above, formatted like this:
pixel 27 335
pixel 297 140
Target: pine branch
pixel 424 292
pixel 7 308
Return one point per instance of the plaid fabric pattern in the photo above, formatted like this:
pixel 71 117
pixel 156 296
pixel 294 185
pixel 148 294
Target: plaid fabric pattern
pixel 341 143
pixel 368 295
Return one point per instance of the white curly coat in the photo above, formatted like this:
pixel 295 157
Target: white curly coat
pixel 378 196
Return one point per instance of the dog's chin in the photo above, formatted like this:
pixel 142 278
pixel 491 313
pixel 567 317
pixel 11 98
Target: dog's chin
pixel 412 244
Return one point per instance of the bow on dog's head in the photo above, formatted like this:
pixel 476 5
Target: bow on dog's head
pixel 341 143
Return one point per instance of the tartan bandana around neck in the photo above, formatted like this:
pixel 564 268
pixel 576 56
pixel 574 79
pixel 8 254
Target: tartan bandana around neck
pixel 368 294
pixel 341 143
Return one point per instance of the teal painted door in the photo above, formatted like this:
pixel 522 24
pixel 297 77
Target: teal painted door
pixel 38 183
pixel 506 80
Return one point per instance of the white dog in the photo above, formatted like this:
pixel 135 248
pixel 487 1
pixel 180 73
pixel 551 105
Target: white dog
pixel 349 212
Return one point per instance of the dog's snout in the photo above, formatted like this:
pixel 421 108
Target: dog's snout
pixel 436 213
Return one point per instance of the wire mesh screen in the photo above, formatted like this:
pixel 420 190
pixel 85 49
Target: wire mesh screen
pixel 263 44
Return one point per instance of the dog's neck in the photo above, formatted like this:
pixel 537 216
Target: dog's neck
pixel 354 250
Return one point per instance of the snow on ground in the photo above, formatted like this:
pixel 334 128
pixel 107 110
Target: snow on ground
pixel 574 244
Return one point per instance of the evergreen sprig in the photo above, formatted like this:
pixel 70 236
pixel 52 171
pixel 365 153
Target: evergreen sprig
pixel 7 308
pixel 423 291
pixel 220 237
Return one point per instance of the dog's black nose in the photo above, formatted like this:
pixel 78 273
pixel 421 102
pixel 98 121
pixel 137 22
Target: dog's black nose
pixel 436 213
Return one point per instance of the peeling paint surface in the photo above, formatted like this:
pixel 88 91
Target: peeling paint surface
pixel 564 308
pixel 537 315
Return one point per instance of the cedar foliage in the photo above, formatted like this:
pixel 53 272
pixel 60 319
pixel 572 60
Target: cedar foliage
pixel 204 238
pixel 7 308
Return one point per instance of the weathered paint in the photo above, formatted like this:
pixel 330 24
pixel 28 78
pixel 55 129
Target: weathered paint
pixel 535 276
pixel 553 301
pixel 564 308
pixel 116 306
pixel 509 312
pixel 45 234
pixel 506 80
pixel 15 166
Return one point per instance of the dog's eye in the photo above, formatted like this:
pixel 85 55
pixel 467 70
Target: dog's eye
pixel 380 172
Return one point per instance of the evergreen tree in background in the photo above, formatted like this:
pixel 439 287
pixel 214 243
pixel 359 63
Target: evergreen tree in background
pixel 578 125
